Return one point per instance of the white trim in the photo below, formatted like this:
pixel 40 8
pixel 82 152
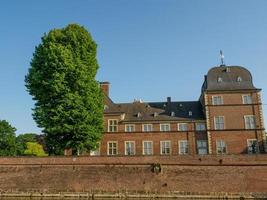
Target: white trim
pixel 125 129
pixel 125 150
pixel 178 127
pixel 226 149
pixel 152 147
pixel 161 147
pixel 258 150
pixel 224 126
pixel 117 148
pixel 244 101
pixel 116 125
pixel 179 145
pixel 165 124
pixel 217 96
pixel 254 122
pixel 147 124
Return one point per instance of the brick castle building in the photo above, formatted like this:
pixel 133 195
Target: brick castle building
pixel 227 119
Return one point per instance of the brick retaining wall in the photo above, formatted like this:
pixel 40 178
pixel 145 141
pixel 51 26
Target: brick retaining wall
pixel 236 174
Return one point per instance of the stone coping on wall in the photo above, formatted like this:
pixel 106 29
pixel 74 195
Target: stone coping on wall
pixel 207 160
pixel 136 195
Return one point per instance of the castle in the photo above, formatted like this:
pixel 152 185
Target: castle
pixel 227 119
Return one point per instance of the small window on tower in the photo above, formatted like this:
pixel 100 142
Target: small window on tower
pixel 239 79
pixel 220 79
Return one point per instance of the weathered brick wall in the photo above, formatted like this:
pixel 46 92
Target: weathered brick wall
pixel 179 173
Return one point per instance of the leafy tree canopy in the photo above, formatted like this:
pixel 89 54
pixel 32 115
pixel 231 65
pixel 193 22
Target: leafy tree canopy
pixel 61 79
pixel 34 149
pixel 7 139
pixel 21 141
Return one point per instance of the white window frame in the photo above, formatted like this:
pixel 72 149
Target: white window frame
pixel 216 128
pixel 143 127
pixel 257 146
pixel 165 125
pixel 113 126
pixel 128 125
pixel 179 125
pixel 251 126
pixel 183 151
pixel 201 125
pixel 219 147
pixel 206 148
pixel 117 148
pixel 144 151
pixel 125 148
pixel 161 147
pixel 246 96
pixel 217 103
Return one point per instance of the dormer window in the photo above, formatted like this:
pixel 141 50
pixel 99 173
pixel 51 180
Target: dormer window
pixel 155 114
pixel 173 114
pixel 138 114
pixel 227 69
pixel 190 113
pixel 239 79
pixel 105 107
pixel 220 79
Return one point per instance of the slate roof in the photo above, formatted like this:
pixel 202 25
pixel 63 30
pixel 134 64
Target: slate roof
pixel 158 111
pixel 229 79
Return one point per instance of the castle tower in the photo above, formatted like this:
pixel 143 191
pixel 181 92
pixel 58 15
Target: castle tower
pixel 233 111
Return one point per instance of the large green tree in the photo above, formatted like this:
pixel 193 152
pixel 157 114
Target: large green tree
pixel 61 79
pixel 7 139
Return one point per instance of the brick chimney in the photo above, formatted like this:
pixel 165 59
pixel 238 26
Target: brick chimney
pixel 105 87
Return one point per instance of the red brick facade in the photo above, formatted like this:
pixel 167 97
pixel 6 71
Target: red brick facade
pixel 227 119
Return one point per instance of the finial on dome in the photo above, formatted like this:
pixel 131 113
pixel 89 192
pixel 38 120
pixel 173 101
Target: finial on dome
pixel 222 58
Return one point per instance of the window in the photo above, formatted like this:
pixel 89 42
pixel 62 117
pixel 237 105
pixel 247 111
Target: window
pixel 147 148
pixel 129 148
pixel 183 147
pixel 165 147
pixel 217 100
pixel 147 127
pixel 200 127
pixel 129 127
pixel 221 147
pixel 112 148
pixel 182 127
pixel 112 125
pixel 190 113
pixel 202 147
pixel 219 123
pixel 239 79
pixel 253 146
pixel 247 99
pixel 219 79
pixel 165 127
pixel 250 122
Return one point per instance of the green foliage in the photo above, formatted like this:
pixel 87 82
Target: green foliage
pixel 22 139
pixel 34 149
pixel 7 139
pixel 69 101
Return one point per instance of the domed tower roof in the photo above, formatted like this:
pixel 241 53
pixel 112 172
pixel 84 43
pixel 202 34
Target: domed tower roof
pixel 228 78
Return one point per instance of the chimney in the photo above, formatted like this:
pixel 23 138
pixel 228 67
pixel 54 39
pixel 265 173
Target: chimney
pixel 168 100
pixel 105 87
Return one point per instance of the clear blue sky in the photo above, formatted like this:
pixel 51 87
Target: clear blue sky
pixel 147 49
